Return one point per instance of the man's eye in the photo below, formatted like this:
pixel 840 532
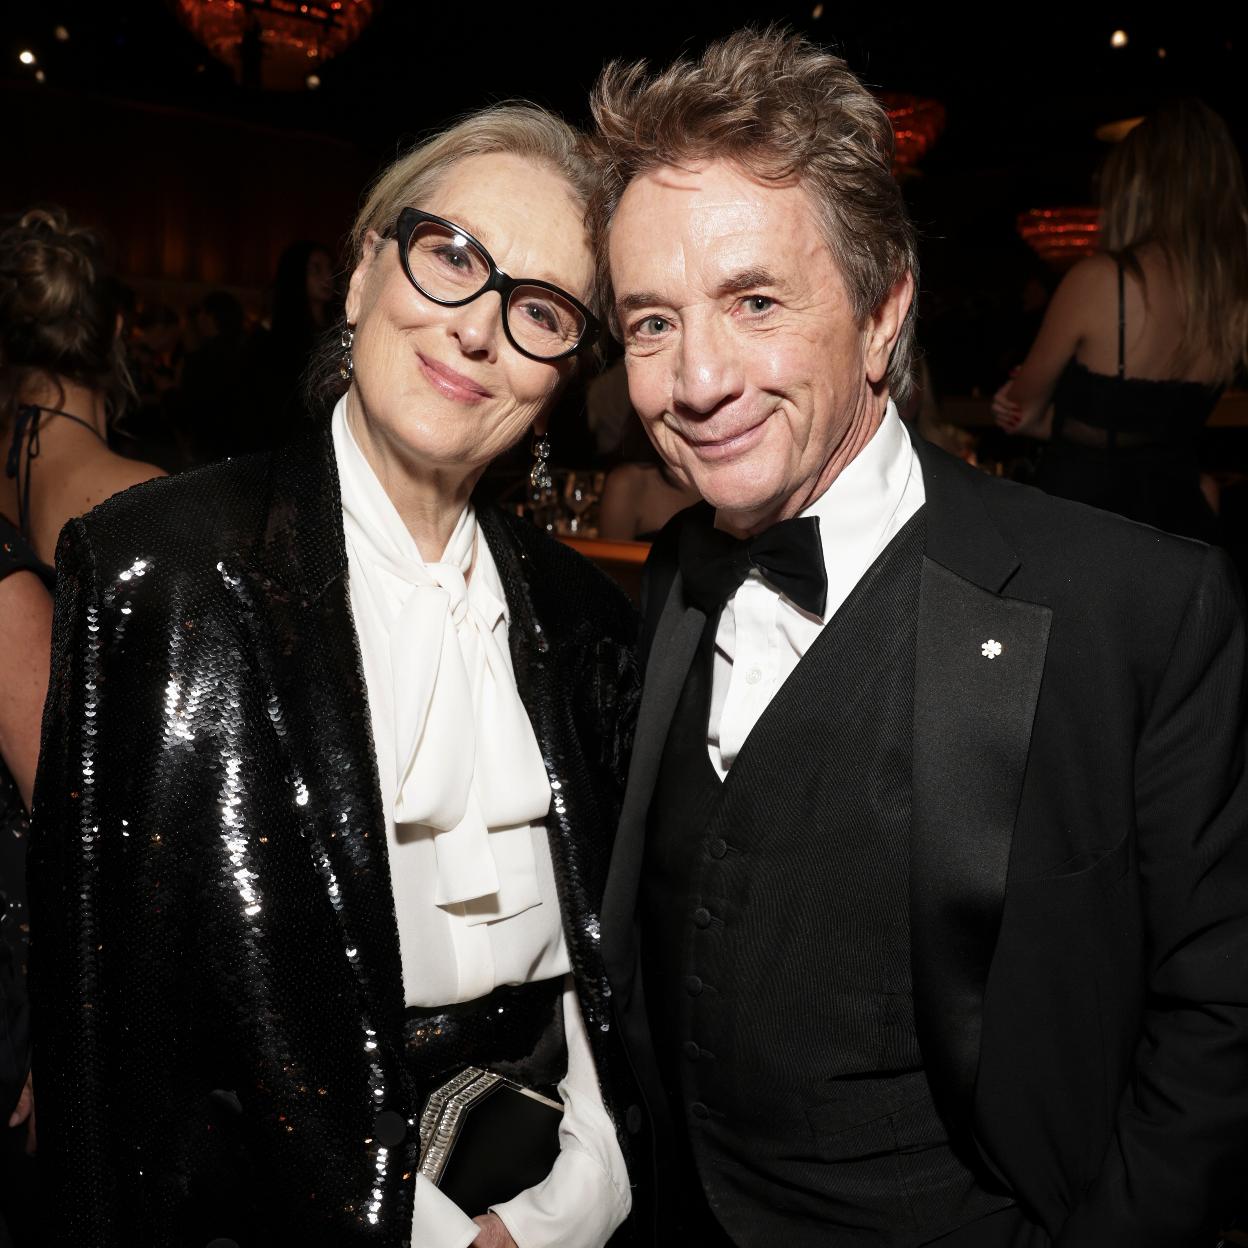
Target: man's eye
pixel 758 303
pixel 653 325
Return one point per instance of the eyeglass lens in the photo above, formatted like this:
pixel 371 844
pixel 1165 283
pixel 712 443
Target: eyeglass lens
pixel 447 267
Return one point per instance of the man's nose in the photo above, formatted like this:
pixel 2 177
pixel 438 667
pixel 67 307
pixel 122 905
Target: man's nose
pixel 708 370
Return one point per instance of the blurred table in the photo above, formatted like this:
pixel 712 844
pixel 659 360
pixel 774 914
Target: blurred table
pixel 621 561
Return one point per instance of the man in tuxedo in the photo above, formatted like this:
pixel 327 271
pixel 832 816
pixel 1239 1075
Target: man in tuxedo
pixel 928 913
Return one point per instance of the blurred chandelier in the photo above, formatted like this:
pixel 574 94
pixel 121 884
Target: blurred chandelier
pixel 1060 236
pixel 917 124
pixel 278 44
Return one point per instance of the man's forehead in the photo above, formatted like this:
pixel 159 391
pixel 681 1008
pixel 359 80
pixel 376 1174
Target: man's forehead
pixel 714 214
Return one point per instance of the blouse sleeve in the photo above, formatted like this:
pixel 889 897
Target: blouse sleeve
pixel 586 1196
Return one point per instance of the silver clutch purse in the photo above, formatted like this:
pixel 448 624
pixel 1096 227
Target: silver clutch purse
pixel 485 1138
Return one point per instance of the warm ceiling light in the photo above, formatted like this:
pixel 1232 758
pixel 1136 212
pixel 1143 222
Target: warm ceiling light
pixel 1161 54
pixel 817 12
pixel 284 32
pixel 60 34
pixel 40 76
pixel 1118 39
pixel 1116 131
pixel 313 81
pixel 26 56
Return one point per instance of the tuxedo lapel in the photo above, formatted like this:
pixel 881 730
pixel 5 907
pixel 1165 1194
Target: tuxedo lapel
pixel 293 590
pixel 979 662
pixel 676 638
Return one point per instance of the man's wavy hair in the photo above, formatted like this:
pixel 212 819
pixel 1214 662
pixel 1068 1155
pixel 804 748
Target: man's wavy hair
pixel 781 109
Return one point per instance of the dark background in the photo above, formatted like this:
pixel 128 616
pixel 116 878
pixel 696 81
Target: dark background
pixel 197 182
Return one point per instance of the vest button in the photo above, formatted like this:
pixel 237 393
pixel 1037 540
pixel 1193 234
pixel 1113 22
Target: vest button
pixel 389 1128
pixel 693 986
pixel 632 1119
pixel 719 847
pixel 702 917
pixel 692 1051
pixel 698 1110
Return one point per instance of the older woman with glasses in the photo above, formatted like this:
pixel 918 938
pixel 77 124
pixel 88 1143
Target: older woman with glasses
pixel 332 763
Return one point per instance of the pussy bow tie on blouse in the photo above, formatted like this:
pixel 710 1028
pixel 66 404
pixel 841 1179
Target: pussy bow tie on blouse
pixel 468 766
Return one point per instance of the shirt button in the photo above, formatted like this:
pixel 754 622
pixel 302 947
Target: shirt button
pixel 698 1110
pixel 719 847
pixel 702 917
pixel 753 676
pixel 693 986
pixel 692 1051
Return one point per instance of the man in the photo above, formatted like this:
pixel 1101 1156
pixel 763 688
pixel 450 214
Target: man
pixel 927 915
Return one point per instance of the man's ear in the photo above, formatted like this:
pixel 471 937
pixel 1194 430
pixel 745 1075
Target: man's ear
pixel 884 327
pixel 355 287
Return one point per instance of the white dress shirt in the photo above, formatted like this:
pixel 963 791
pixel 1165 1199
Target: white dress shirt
pixel 470 864
pixel 762 636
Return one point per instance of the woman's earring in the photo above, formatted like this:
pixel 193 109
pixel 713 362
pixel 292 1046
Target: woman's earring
pixel 539 475
pixel 346 366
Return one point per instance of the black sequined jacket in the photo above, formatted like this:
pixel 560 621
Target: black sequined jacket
pixel 216 975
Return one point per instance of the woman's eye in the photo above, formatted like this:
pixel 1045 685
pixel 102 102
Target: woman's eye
pixel 454 257
pixel 541 314
pixel 758 303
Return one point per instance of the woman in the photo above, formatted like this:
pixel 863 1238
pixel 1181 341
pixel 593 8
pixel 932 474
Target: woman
pixel 63 377
pixel 1139 342
pixel 261 941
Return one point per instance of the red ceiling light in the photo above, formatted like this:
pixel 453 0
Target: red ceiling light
pixel 917 124
pixel 270 42
pixel 1060 236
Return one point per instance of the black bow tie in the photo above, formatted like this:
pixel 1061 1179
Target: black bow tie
pixel 789 556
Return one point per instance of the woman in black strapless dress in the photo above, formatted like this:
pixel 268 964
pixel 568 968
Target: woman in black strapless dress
pixel 1122 399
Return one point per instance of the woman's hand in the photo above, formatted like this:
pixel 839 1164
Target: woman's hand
pixel 1007 413
pixel 25 1112
pixel 493 1233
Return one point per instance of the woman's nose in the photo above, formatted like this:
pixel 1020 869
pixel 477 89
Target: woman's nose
pixel 477 326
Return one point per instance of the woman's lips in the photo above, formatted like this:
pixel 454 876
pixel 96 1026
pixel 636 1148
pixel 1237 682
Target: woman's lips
pixel 450 383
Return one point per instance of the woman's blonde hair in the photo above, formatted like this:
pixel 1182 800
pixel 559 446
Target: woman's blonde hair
pixel 516 128
pixel 1176 181
pixel 781 108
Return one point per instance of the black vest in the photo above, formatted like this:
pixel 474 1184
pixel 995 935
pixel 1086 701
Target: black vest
pixel 776 945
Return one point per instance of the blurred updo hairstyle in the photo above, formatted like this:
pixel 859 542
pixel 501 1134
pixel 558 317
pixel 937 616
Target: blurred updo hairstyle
pixel 58 313
pixel 515 129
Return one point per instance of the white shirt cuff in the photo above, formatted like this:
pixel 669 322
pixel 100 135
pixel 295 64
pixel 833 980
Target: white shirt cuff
pixel 575 1206
pixel 438 1220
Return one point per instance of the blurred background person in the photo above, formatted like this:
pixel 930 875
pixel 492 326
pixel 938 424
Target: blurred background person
pixel 25 635
pixel 303 299
pixel 63 378
pixel 1139 342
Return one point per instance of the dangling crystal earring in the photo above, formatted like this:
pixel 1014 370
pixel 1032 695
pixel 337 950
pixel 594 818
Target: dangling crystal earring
pixel 539 475
pixel 346 366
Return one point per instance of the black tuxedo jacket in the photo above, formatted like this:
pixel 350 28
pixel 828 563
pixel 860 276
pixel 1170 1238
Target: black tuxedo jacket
pixel 215 966
pixel 1079 856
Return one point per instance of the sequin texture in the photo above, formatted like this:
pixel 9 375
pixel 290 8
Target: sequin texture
pixel 215 968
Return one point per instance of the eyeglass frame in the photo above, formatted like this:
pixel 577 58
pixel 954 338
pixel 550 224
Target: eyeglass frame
pixel 498 280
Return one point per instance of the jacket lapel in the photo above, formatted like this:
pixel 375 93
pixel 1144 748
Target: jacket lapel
pixel 979 662
pixel 293 590
pixel 675 642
